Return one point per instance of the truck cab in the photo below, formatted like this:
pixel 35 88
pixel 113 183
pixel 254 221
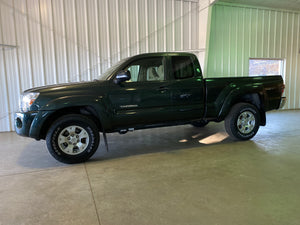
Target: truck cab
pixel 158 88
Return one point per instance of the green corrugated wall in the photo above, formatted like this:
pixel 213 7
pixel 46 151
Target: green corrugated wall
pixel 238 33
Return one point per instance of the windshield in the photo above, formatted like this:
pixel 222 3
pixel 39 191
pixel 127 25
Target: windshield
pixel 111 70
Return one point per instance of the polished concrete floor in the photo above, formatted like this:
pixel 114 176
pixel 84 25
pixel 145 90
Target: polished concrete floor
pixel 175 175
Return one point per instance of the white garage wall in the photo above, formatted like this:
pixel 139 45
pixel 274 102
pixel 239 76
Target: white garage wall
pixel 61 41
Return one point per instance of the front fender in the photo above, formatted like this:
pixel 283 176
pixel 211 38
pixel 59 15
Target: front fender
pixel 37 124
pixel 69 101
pixel 97 103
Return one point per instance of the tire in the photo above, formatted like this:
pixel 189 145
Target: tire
pixel 242 122
pixel 73 139
pixel 200 123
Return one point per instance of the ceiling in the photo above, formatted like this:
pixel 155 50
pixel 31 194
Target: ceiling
pixel 281 4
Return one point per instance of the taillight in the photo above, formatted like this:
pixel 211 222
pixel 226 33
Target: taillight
pixel 282 88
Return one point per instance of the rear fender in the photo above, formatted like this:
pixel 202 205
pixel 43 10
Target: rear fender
pixel 254 97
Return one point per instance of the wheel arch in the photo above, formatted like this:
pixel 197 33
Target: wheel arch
pixel 255 99
pixel 88 111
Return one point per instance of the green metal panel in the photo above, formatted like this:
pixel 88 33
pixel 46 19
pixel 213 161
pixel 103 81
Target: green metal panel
pixel 239 32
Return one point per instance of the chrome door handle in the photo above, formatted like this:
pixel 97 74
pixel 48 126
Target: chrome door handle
pixel 162 89
pixel 185 96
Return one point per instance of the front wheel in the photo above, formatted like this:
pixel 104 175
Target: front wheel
pixel 73 139
pixel 242 122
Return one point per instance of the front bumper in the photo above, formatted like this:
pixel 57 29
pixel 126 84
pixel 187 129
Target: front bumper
pixel 29 124
pixel 282 102
pixel 23 122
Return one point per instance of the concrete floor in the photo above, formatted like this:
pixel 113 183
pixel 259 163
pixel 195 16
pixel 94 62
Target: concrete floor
pixel 175 175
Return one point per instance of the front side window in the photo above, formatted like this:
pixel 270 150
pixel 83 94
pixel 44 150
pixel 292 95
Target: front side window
pixel 182 67
pixel 149 69
pixel 134 71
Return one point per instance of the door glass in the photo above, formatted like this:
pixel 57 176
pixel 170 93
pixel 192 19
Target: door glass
pixel 149 69
pixel 134 71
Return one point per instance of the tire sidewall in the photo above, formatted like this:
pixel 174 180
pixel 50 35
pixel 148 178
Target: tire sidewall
pixel 73 120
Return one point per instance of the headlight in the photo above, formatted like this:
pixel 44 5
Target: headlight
pixel 26 100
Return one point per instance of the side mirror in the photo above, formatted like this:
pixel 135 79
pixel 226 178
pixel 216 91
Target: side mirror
pixel 122 76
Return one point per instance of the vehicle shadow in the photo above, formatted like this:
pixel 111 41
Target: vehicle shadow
pixel 166 139
pixel 36 156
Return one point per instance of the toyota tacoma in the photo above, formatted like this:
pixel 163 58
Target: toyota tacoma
pixel 143 91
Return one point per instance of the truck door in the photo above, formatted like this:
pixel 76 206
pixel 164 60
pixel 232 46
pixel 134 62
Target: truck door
pixel 144 99
pixel 187 88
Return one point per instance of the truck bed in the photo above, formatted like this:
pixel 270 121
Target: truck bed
pixel 221 90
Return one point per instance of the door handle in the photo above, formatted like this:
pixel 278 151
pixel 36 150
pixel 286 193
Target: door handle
pixel 185 96
pixel 163 88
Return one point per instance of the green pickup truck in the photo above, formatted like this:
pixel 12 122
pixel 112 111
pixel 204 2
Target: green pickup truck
pixel 143 91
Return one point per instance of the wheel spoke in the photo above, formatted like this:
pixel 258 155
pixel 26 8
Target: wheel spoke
pixel 83 134
pixel 68 148
pixel 81 146
pixel 70 129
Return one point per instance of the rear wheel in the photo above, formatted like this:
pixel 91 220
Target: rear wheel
pixel 242 122
pixel 73 139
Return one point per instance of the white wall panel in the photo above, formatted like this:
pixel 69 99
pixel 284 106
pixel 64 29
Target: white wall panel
pixel 62 41
pixel 72 45
pixel 22 41
pixel 124 29
pixel 47 37
pixel 59 41
pixel 93 38
pixel 82 39
pixel 113 29
pixel 4 106
pixel 10 60
pixel 35 42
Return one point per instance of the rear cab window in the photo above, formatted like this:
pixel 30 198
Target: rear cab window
pixel 182 67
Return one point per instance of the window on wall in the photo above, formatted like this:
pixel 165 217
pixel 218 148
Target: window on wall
pixel 265 67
